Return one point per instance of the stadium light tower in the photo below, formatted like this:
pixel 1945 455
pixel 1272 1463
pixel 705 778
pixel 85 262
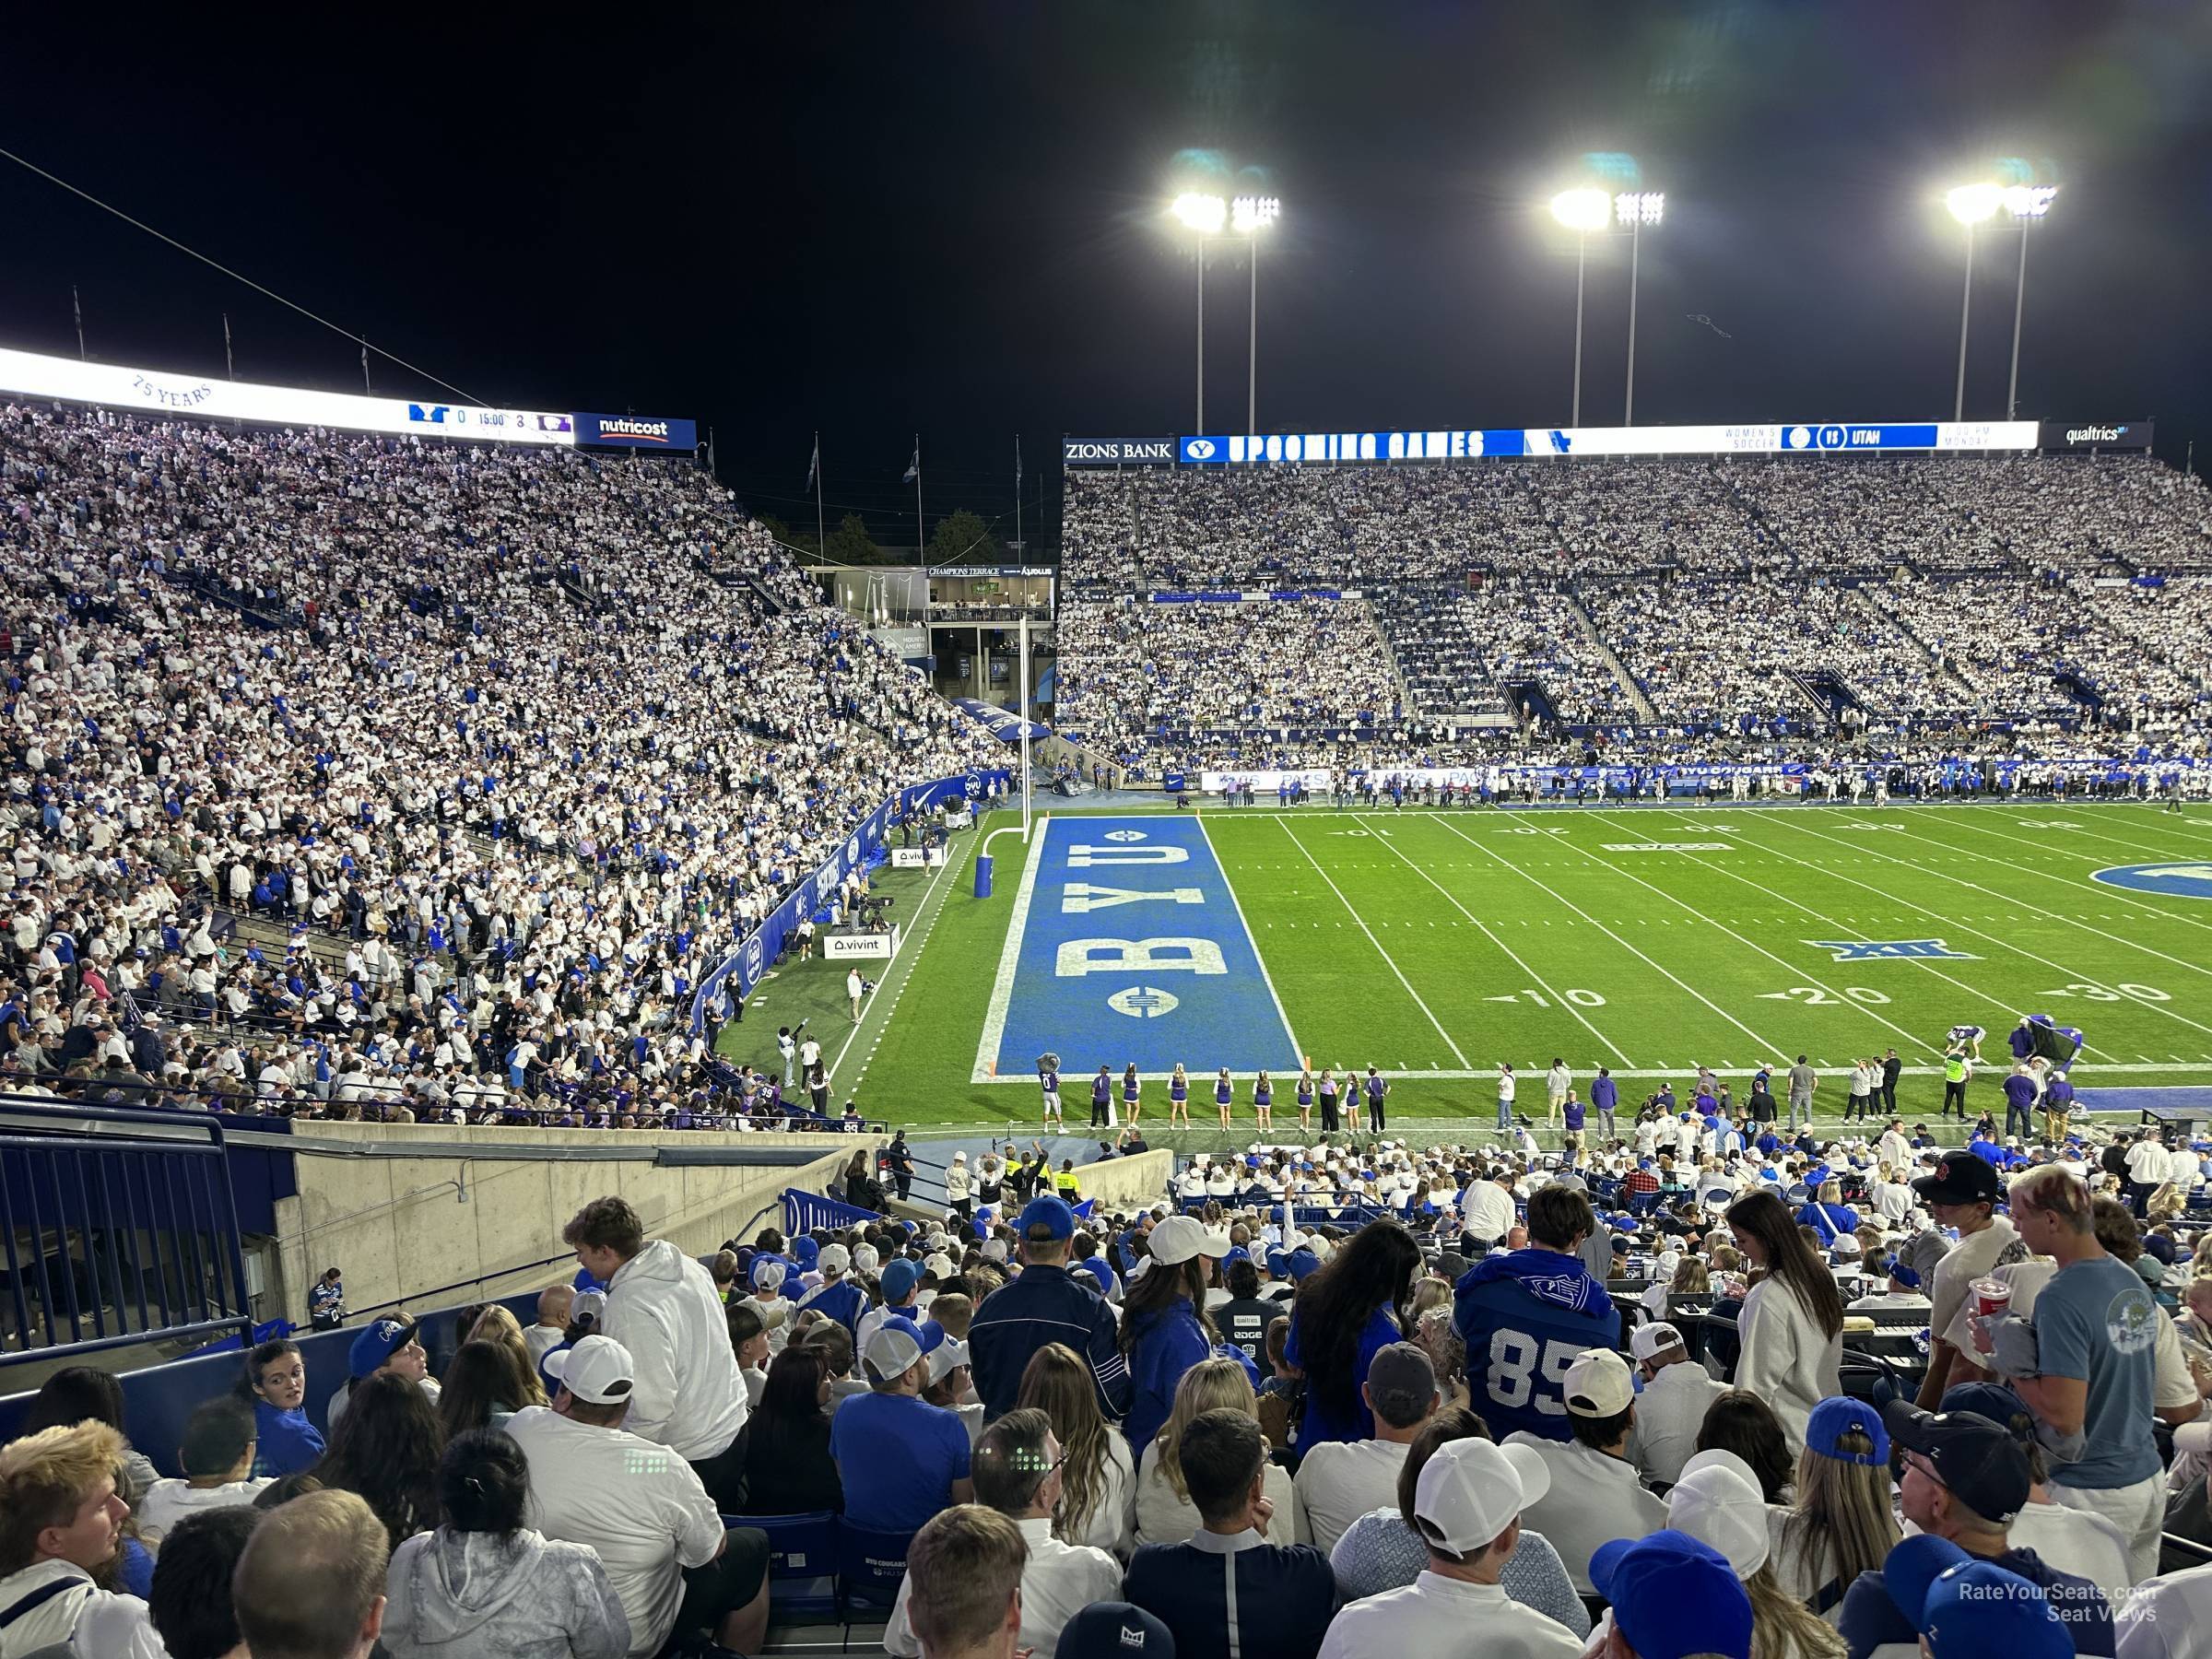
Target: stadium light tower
pixel 1970 205
pixel 2027 203
pixel 1248 216
pixel 1635 208
pixel 1205 215
pixel 1243 217
pixel 1581 211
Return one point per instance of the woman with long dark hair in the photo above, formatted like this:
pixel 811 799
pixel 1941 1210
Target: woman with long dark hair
pixel 483 1586
pixel 485 1385
pixel 1165 1330
pixel 1792 1323
pixel 386 1448
pixel 788 1469
pixel 1343 1315
pixel 1743 1423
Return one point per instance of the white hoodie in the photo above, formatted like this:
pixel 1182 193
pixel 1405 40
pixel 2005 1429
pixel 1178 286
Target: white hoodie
pixel 663 1308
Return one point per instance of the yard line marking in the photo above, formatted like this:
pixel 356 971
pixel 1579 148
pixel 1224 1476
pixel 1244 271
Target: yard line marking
pixel 1375 942
pixel 2103 890
pixel 2053 915
pixel 1781 962
pixel 2086 1074
pixel 1518 962
pixel 1002 983
pixel 1264 978
pixel 1620 939
pixel 1828 920
pixel 1993 938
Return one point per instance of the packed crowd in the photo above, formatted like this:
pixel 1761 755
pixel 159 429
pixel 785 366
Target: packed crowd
pixel 1338 1399
pixel 1192 527
pixel 1991 595
pixel 504 768
pixel 1131 670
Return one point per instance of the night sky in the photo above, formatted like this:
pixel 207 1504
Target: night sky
pixel 876 220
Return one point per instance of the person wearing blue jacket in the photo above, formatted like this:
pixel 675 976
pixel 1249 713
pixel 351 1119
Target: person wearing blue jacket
pixel 1164 1328
pixel 1524 1314
pixel 837 1295
pixel 1041 1306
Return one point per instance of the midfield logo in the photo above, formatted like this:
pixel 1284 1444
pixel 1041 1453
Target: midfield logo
pixel 1864 950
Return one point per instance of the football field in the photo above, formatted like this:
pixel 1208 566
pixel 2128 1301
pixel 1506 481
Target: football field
pixel 1436 944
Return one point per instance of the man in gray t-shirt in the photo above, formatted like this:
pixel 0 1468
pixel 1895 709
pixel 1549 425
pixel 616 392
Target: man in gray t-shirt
pixel 1802 1083
pixel 2091 1377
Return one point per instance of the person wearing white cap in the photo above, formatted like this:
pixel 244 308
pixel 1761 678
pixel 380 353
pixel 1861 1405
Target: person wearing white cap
pixel 1164 1328
pixel 644 1509
pixel 1717 1501
pixel 1677 1392
pixel 662 1306
pixel 1467 1504
pixel 901 1458
pixel 769 1300
pixel 1595 1496
pixel 837 1296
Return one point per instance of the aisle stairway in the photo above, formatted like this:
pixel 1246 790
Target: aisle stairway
pixel 1645 711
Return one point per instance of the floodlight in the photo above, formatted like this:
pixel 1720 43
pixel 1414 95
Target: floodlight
pixel 1583 210
pixel 1203 213
pixel 1634 208
pixel 1971 203
pixel 2029 201
pixel 1248 215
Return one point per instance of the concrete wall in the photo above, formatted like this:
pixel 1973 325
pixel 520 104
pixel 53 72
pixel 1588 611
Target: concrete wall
pixel 399 1225
pixel 1128 1183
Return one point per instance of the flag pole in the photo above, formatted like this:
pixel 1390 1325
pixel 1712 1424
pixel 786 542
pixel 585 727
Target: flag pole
pixel 920 552
pixel 1024 626
pixel 1017 542
pixel 77 307
pixel 230 366
pixel 365 385
pixel 821 539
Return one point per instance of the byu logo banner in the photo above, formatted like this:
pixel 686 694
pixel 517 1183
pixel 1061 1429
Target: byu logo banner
pixel 1875 950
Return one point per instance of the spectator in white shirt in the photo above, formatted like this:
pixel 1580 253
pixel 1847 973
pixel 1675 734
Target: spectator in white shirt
pixel 554 1304
pixel 1487 1208
pixel 1468 1503
pixel 1594 1494
pixel 963 1584
pixel 1677 1392
pixel 1017 1472
pixel 61 1521
pixel 661 1307
pixel 1900 1286
pixel 1338 1481
pixel 217 1457
pixel 641 1506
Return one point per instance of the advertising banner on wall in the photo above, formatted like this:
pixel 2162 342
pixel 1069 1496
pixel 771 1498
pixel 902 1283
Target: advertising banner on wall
pixel 636 431
pixel 1117 452
pixel 2096 435
pixel 758 950
pixel 155 392
pixel 1308 449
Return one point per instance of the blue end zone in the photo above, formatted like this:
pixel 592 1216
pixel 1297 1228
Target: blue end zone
pixel 1131 949
pixel 2194 1098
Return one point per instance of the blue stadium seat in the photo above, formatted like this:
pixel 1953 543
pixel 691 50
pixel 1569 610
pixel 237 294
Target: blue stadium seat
pixel 802 1564
pixel 870 1565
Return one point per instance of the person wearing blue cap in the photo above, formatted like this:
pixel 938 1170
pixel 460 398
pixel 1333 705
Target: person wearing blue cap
pixel 389 1344
pixel 1045 1304
pixel 1965 1479
pixel 1673 1598
pixel 901 1285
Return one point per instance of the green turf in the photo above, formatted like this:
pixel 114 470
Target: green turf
pixel 1435 943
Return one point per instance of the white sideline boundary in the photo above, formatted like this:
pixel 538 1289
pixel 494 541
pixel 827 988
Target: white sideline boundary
pixel 1251 940
pixel 1010 960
